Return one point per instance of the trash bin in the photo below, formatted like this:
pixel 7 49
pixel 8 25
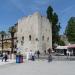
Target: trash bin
pixel 21 59
pixel 17 59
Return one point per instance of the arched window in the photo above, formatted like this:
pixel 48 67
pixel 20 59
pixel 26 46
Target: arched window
pixel 22 38
pixel 16 41
pixel 22 42
pixel 29 37
pixel 43 37
pixel 36 39
pixel 47 38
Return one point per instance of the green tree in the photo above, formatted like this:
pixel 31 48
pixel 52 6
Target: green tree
pixel 53 18
pixel 12 31
pixel 50 13
pixel 61 43
pixel 70 30
pixel 2 36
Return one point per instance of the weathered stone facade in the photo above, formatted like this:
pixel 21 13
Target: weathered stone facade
pixel 34 33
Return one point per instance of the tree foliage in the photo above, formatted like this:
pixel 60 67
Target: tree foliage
pixel 2 33
pixel 70 30
pixel 53 18
pixel 49 13
pixel 61 43
pixel 12 31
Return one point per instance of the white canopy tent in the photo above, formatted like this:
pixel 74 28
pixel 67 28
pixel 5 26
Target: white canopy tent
pixel 61 47
pixel 61 50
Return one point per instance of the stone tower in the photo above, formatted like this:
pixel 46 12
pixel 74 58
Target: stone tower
pixel 34 33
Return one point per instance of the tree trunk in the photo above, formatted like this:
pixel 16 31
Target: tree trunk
pixel 2 43
pixel 12 42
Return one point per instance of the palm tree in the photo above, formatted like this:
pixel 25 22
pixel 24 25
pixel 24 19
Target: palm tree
pixel 12 31
pixel 2 36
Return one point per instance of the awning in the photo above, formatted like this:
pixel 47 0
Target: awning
pixel 61 47
pixel 71 46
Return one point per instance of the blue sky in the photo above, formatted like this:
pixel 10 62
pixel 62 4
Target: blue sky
pixel 12 10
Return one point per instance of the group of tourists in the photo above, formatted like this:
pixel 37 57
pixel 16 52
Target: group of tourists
pixel 30 55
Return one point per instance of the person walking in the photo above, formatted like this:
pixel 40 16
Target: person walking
pixel 45 52
pixel 49 58
pixel 49 51
pixel 6 57
pixel 3 57
pixel 68 54
pixel 38 53
pixel 33 56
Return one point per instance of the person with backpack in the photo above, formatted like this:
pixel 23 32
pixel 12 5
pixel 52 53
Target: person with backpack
pixel 38 53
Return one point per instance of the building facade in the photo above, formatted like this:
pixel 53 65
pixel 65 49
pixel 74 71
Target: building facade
pixel 34 33
pixel 7 43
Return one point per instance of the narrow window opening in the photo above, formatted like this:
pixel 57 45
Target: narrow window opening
pixel 22 38
pixel 30 37
pixel 48 39
pixel 42 37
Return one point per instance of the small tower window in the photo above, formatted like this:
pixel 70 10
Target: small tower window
pixel 30 37
pixel 16 41
pixel 42 37
pixel 22 42
pixel 22 38
pixel 36 39
pixel 48 39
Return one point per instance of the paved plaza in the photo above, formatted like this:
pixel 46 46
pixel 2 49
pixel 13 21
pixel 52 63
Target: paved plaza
pixel 9 61
pixel 39 67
